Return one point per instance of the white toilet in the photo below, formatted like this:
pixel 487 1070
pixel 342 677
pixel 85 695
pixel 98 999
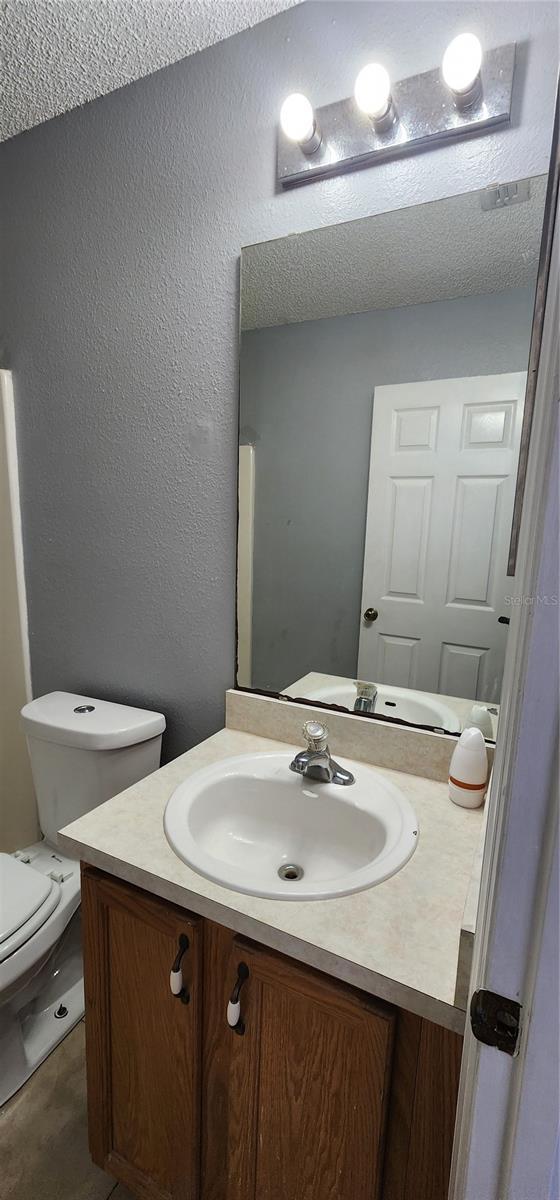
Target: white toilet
pixel 82 752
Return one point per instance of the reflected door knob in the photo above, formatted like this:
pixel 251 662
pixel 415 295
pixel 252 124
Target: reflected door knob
pixel 371 614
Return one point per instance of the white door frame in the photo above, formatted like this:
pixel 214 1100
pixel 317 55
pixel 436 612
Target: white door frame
pixel 520 840
pixel 8 431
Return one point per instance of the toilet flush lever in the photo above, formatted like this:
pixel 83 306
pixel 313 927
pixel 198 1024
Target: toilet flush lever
pixel 176 974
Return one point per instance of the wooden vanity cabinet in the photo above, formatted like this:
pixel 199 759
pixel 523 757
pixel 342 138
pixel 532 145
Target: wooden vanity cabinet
pixel 325 1094
pixel 293 1107
pixel 143 1044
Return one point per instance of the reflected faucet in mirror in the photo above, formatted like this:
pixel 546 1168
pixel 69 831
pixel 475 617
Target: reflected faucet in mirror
pixel 366 697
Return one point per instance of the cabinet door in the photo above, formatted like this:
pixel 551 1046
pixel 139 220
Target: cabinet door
pixel 422 1107
pixel 294 1106
pixel 142 1042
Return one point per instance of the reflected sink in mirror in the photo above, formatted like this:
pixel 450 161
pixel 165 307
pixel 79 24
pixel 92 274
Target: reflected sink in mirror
pixel 252 825
pixel 398 703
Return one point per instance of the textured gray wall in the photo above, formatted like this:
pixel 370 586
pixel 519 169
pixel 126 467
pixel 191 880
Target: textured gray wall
pixel 306 405
pixel 122 226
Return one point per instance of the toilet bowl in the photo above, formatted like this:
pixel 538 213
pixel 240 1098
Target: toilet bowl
pixel 83 751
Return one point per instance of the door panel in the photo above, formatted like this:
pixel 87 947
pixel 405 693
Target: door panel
pixel 143 1043
pixel 475 510
pixel 487 426
pixel 398 658
pixel 415 429
pixel 442 478
pixel 462 670
pixel 307 1086
pixel 410 522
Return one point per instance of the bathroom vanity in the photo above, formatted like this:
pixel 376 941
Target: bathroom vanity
pixel 336 1077
pixel 320 1090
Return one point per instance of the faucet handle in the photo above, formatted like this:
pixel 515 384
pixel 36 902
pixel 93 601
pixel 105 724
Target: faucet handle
pixel 316 735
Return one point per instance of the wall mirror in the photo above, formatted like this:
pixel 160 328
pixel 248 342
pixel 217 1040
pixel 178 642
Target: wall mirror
pixel 383 367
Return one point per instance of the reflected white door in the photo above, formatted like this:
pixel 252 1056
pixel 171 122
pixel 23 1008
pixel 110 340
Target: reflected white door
pixel 440 500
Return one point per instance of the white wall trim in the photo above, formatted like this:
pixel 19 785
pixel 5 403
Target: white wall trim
pixel 9 427
pixel 245 554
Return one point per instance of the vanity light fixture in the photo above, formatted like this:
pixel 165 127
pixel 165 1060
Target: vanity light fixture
pixel 461 69
pixel 469 94
pixel 372 93
pixel 298 122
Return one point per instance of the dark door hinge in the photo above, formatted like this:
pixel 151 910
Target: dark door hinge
pixel 495 1020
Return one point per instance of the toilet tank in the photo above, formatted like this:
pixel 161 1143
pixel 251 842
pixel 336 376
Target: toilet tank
pixel 83 751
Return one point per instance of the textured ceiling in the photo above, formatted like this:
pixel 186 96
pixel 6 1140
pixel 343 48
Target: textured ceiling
pixel 414 255
pixel 57 54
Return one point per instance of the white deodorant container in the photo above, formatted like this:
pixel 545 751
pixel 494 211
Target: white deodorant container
pixel 468 770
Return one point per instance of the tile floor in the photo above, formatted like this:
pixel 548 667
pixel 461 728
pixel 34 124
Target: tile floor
pixel 43 1134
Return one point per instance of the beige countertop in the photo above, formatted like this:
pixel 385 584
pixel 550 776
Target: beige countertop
pixel 399 940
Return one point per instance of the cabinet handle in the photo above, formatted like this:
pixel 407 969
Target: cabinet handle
pixel 234 1006
pixel 176 974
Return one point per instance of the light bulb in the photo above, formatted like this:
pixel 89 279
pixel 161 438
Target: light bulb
pixel 372 91
pixel 297 118
pixel 461 63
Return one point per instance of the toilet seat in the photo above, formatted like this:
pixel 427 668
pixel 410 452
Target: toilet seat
pixel 27 900
pixel 41 973
pixel 39 935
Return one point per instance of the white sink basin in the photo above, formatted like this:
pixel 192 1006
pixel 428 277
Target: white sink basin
pixel 244 819
pixel 403 703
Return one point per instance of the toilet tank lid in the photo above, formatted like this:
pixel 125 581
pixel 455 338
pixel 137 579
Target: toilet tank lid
pixel 88 723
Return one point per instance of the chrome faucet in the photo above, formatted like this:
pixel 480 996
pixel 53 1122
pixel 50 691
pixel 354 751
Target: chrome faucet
pixel 316 762
pixel 365 700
